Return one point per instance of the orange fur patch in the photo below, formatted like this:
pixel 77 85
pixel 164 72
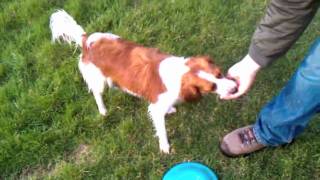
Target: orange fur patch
pixel 192 86
pixel 130 66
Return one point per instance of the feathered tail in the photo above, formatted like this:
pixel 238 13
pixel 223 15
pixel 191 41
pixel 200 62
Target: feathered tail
pixel 64 27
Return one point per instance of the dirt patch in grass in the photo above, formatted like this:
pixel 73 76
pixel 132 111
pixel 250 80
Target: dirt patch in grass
pixel 82 154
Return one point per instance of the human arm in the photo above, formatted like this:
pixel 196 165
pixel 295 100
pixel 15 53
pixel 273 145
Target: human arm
pixel 282 25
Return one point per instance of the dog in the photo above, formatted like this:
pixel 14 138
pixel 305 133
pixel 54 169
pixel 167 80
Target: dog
pixel 160 78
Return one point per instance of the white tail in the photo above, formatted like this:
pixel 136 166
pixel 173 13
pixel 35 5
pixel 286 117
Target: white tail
pixel 64 27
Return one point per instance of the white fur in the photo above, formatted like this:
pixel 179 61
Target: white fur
pixel 96 82
pixel 64 27
pixel 98 35
pixel 109 82
pixel 224 85
pixel 171 71
pixel 172 110
pixel 130 92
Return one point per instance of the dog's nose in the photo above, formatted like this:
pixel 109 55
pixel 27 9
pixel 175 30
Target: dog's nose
pixel 233 90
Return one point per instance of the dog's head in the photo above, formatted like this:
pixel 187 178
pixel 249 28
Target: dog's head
pixel 205 77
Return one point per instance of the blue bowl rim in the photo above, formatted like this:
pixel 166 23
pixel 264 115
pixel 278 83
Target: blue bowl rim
pixel 192 162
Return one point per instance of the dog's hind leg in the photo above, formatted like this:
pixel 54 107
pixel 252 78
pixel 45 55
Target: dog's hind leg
pixel 96 82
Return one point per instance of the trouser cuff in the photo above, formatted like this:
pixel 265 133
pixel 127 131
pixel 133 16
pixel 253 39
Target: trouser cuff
pixel 256 132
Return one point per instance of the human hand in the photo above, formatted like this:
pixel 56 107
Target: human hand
pixel 244 73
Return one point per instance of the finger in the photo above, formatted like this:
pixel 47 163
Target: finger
pixel 236 79
pixel 236 95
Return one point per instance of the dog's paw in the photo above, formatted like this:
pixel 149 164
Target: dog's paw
pixel 103 112
pixel 172 110
pixel 165 148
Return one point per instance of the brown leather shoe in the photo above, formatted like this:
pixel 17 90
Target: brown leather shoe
pixel 239 142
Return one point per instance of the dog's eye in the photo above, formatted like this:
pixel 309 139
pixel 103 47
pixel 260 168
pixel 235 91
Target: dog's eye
pixel 219 76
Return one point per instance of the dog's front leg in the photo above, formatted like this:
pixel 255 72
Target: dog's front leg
pixel 95 81
pixel 157 112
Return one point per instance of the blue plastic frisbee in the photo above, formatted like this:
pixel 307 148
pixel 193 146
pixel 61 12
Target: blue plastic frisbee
pixel 190 171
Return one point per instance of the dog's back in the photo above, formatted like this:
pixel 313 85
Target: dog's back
pixel 132 67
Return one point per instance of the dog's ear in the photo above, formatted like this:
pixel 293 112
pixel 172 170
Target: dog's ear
pixel 193 87
pixel 190 93
pixel 204 86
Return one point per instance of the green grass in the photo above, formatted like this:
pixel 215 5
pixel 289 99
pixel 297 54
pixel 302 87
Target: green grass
pixel 49 124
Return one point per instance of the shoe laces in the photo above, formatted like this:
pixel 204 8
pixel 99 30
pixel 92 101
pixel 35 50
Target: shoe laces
pixel 247 136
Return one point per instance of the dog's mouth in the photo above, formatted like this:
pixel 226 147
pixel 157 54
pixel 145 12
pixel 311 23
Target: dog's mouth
pixel 233 90
pixel 226 86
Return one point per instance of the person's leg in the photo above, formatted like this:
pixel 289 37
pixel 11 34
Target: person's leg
pixel 288 114
pixel 283 118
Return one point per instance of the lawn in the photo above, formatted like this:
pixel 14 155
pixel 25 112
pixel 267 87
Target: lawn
pixel 50 127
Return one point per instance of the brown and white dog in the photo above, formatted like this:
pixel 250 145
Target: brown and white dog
pixel 160 78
